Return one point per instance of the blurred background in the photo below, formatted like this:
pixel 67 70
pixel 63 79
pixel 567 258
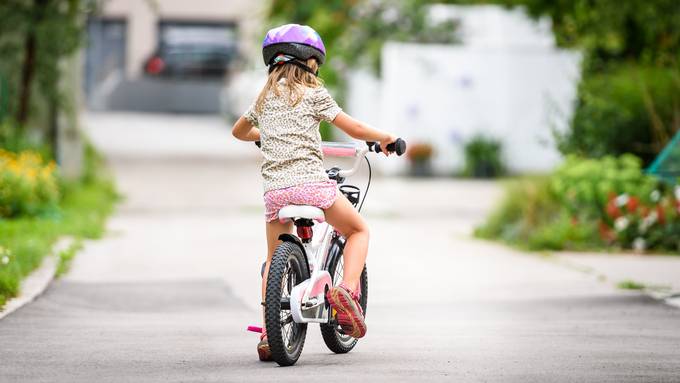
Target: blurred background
pixel 526 77
pixel 548 126
pixel 399 65
pixel 581 97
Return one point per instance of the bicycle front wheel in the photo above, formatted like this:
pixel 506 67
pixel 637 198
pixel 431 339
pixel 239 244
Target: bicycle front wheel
pixel 286 338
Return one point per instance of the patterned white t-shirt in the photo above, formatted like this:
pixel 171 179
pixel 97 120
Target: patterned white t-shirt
pixel 290 138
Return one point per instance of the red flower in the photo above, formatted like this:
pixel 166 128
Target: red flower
pixel 644 211
pixel 661 214
pixel 606 233
pixel 613 211
pixel 632 205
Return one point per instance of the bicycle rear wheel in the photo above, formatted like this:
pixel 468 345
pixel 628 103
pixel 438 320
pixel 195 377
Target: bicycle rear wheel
pixel 336 340
pixel 286 338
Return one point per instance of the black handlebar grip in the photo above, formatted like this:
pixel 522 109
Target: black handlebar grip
pixel 398 146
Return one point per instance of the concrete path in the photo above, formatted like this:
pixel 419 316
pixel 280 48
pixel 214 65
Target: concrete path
pixel 166 296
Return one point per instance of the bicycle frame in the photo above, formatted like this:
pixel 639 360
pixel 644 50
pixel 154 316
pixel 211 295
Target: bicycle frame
pixel 307 299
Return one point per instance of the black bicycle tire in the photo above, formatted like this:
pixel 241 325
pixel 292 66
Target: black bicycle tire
pixel 280 353
pixel 329 332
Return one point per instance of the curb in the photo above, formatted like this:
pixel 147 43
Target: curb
pixel 673 300
pixel 37 282
pixel 661 293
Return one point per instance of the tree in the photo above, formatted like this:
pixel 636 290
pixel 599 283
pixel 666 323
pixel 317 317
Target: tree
pixel 35 36
pixel 629 96
pixel 613 31
pixel 355 30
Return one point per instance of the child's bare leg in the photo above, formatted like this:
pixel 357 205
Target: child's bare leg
pixel 274 229
pixel 349 222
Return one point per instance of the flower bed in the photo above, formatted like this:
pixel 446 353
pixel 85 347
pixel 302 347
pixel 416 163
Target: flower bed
pixel 590 204
pixel 37 209
pixel 28 184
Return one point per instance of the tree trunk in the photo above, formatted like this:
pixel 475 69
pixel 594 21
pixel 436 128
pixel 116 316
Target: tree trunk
pixel 28 69
pixel 27 74
pixel 53 128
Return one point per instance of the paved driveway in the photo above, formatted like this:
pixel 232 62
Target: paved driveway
pixel 167 294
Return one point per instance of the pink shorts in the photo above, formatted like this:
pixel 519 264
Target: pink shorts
pixel 319 194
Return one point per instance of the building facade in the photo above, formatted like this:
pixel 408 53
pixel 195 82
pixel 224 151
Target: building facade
pixel 141 21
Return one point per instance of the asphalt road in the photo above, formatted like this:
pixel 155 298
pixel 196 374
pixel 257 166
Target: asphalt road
pixel 167 294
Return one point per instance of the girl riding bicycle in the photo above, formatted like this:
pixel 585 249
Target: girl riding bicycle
pixel 285 118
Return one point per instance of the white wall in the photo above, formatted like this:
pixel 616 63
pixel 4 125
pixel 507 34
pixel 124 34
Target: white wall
pixel 507 80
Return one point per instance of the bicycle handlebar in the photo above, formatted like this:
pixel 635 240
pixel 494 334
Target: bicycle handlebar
pixel 349 150
pixel 398 146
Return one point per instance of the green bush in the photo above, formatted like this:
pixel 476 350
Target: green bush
pixel 14 139
pixel 483 157
pixel 589 204
pixel 530 216
pixel 585 186
pixel 625 110
pixel 81 213
pixel 28 185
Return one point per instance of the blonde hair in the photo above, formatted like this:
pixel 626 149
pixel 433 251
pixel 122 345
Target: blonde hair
pixel 296 80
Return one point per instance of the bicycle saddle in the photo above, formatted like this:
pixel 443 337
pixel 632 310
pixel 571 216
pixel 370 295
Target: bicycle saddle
pixel 293 212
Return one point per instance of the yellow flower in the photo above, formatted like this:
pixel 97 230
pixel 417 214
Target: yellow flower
pixel 26 181
pixel 31 174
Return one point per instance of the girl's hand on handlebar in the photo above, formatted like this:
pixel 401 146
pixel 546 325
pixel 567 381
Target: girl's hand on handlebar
pixel 389 139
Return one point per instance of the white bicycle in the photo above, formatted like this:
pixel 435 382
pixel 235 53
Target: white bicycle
pixel 304 269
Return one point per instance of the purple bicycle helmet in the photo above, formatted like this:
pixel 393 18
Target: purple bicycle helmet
pixel 299 41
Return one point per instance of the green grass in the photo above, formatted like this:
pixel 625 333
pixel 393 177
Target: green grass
pixel 82 214
pixel 66 256
pixel 629 284
pixel 530 218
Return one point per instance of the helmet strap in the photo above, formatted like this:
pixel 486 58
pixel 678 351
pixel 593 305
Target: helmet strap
pixel 287 59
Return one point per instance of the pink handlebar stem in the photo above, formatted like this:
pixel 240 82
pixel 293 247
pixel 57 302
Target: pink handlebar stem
pixel 255 329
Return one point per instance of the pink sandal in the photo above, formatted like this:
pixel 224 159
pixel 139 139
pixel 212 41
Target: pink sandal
pixel 350 316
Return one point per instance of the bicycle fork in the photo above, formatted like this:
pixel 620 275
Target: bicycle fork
pixel 308 299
